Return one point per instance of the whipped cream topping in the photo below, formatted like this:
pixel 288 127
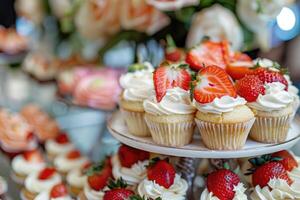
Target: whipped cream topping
pixel 76 178
pixel 55 148
pixel 291 89
pixel 221 105
pixel 137 84
pixel 46 196
pixel 35 185
pixel 238 189
pixel 277 189
pixel 275 98
pixel 63 164
pixel 91 194
pixel 21 166
pixel 176 101
pixel 150 189
pixel 265 63
pixel 133 175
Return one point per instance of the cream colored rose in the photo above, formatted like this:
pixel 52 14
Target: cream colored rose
pixel 172 4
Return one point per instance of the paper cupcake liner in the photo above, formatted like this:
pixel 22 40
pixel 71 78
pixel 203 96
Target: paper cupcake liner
pixel 136 123
pixel 217 136
pixel 295 104
pixel 171 134
pixel 271 129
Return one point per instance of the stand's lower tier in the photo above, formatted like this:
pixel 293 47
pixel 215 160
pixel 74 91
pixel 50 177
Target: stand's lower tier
pixel 196 149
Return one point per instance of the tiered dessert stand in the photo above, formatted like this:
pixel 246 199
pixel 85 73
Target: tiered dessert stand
pixel 189 153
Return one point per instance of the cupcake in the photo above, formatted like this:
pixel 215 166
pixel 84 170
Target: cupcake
pixel 98 176
pixel 26 163
pixel 137 84
pixel 58 146
pixel 223 119
pixel 130 164
pixel 162 181
pixel 16 135
pixel 38 182
pixel 273 108
pixel 57 192
pixel 76 179
pixel 118 190
pixel 71 160
pixel 223 184
pixel 169 113
pixel 295 92
pixel 270 180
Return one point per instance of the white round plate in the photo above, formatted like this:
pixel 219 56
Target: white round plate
pixel 196 149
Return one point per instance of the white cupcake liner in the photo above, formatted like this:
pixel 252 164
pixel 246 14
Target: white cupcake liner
pixel 136 123
pixel 271 129
pixel 295 105
pixel 171 134
pixel 220 136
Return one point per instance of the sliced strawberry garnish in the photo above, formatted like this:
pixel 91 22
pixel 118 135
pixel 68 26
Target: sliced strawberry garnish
pixel 62 138
pixel 128 156
pixel 46 173
pixel 168 76
pixel 212 82
pixel 208 53
pixel 73 154
pixel 239 65
pixel 33 156
pixel 269 76
pixel 287 159
pixel 250 87
pixel 118 194
pixel 59 190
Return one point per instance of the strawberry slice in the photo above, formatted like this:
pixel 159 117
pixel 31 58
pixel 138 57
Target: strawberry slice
pixel 73 154
pixel 46 173
pixel 59 190
pixel 33 156
pixel 288 160
pixel 168 76
pixel 128 156
pixel 208 53
pixel 212 82
pixel 239 65
pixel 62 138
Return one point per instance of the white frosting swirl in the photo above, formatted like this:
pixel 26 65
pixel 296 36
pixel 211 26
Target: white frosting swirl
pixel 221 105
pixel 137 84
pixel 176 101
pixel 35 185
pixel 91 194
pixel 76 178
pixel 63 164
pixel 276 189
pixel 133 175
pixel 21 166
pixel 265 63
pixel 55 148
pixel 46 196
pixel 291 89
pixel 238 189
pixel 150 189
pixel 275 98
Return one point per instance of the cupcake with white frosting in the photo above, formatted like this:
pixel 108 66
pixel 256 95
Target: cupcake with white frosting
pixel 130 164
pixel 57 192
pixel 26 163
pixel 137 85
pixel 295 92
pixel 162 181
pixel 169 112
pixel 223 119
pixel 69 161
pixel 38 182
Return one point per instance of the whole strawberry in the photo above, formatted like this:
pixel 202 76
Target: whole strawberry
pixel 287 160
pixel 269 76
pixel 221 183
pixel 118 191
pixel 161 172
pixel 250 87
pixel 172 52
pixel 129 155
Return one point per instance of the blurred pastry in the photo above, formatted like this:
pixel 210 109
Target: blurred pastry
pixel 57 192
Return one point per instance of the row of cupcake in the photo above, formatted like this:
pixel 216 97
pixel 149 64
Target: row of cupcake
pixel 167 102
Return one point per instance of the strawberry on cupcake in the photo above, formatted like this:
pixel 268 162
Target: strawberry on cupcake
pixel 137 85
pixel 40 181
pixel 271 180
pixel 26 163
pixel 223 184
pixel 118 190
pixel 71 160
pixel 57 192
pixel 223 119
pixel 169 112
pixel 162 181
pixel 130 164
pixel 98 176
pixel 58 146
